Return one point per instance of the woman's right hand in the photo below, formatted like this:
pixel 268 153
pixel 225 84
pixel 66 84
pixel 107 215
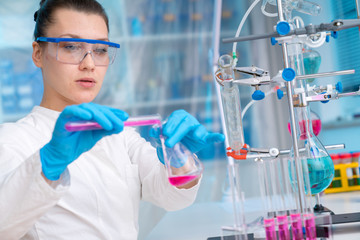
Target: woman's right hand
pixel 65 147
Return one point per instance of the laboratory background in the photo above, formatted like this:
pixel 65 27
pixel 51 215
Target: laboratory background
pixel 166 62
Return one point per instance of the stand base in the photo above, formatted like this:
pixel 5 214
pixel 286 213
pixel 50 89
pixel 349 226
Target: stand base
pixel 250 236
pixel 321 209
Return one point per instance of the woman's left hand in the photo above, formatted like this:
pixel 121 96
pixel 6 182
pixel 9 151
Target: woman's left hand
pixel 183 127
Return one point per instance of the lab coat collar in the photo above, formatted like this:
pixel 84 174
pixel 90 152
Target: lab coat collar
pixel 46 111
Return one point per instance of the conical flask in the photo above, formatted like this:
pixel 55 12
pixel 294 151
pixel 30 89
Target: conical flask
pixel 320 166
pixel 182 166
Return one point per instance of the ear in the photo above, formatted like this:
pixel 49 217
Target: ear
pixel 37 54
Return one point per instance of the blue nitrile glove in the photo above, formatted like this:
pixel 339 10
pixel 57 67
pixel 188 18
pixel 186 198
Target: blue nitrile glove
pixel 65 147
pixel 183 127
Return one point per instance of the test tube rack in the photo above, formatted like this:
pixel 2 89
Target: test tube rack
pixel 345 180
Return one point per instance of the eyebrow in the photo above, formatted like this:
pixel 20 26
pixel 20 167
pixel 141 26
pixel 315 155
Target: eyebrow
pixel 77 36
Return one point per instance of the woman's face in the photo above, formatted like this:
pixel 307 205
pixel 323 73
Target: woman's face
pixel 67 84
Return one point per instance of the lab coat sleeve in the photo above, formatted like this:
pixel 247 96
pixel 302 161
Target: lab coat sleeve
pixel 155 185
pixel 24 194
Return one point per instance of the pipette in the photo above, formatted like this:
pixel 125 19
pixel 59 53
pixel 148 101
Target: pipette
pixel 146 120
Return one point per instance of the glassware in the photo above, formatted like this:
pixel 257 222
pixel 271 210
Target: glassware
pixel 316 124
pixel 297 5
pixel 231 104
pixel 319 164
pixel 145 120
pixel 312 60
pixel 182 166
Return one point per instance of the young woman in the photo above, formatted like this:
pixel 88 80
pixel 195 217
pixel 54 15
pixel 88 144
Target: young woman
pixel 56 184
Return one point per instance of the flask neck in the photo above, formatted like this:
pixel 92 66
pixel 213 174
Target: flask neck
pixel 304 123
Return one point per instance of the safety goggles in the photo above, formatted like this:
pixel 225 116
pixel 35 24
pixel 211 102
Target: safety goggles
pixel 74 50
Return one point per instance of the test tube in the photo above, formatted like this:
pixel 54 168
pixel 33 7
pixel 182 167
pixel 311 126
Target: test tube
pixel 269 221
pixel 278 188
pixel 145 120
pixel 295 214
pixel 310 228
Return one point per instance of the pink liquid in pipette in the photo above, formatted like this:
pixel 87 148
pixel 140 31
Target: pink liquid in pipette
pixel 181 180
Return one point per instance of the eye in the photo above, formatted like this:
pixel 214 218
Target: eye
pixel 70 46
pixel 101 51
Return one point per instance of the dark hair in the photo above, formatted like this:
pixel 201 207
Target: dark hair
pixel 44 16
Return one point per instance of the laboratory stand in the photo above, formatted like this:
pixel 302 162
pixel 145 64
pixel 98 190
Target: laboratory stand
pixel 289 178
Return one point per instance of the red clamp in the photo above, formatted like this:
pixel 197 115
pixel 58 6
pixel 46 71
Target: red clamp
pixel 238 155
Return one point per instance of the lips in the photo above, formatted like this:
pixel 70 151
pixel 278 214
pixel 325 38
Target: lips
pixel 86 82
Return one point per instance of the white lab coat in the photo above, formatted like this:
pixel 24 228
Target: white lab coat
pixel 97 197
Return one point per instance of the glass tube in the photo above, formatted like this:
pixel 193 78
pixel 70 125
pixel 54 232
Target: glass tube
pixel 146 120
pixel 231 104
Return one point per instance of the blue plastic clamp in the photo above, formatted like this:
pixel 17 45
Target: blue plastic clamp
pixel 273 41
pixel 258 95
pixel 334 34
pixel 288 74
pixel 327 39
pixel 339 87
pixel 326 101
pixel 283 28
pixel 280 94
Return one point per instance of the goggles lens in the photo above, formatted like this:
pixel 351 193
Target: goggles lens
pixel 74 51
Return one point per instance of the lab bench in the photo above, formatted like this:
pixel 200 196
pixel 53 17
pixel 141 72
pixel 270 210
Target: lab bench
pixel 204 220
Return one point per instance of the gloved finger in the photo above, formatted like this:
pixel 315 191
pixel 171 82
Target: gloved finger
pixel 98 116
pixel 200 133
pixel 116 121
pixel 174 121
pixel 119 113
pixel 214 138
pixel 77 112
pixel 180 132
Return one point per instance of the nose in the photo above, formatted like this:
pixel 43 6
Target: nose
pixel 87 62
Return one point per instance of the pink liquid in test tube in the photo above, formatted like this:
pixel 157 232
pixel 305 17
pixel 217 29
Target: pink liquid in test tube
pixel 284 233
pixel 88 125
pixel 270 230
pixel 310 227
pixel 296 224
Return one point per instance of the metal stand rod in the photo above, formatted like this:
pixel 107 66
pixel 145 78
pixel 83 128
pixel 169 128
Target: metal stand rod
pixel 326 74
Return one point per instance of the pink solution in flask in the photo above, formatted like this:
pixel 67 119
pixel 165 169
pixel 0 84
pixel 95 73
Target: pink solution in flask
pixel 178 181
pixel 182 166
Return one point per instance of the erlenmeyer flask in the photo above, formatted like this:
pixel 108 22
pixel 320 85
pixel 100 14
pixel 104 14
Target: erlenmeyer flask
pixel 319 164
pixel 182 165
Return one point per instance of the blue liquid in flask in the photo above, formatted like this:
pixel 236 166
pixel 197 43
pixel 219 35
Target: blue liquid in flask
pixel 321 173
